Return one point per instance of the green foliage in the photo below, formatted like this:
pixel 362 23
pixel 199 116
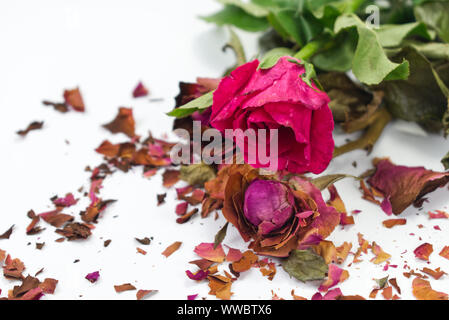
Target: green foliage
pixel 235 16
pixel 201 103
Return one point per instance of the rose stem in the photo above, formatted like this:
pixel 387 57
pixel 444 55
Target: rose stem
pixel 369 138
pixel 310 49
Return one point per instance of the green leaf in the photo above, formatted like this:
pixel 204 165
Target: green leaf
pixel 340 56
pixel 236 45
pixel 324 182
pixel 435 15
pixel 272 57
pixel 235 16
pixel 445 161
pixel 431 50
pixel 301 28
pixel 203 102
pixel 421 98
pixel 249 7
pixel 370 64
pixel 197 174
pixel 305 265
pixel 393 35
pixel 219 237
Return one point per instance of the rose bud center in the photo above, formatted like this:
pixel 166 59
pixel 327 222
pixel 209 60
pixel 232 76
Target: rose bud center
pixel 268 205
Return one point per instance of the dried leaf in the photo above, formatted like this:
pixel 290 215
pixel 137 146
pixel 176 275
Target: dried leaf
pixel 305 265
pixel 219 237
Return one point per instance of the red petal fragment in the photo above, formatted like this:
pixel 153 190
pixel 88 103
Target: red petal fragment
pixel 93 277
pixel 198 276
pixel 403 185
pixel 336 275
pixel 438 214
pixel 331 295
pixel 207 251
pixel 336 202
pixel 140 91
pixel 424 251
pixel 386 206
pixel 68 201
pixel 181 208
pixel 74 99
pixel 234 255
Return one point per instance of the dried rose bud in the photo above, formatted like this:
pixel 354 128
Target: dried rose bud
pixel 268 205
pixel 278 216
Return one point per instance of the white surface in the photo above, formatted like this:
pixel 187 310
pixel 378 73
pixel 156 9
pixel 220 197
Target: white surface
pixel 106 47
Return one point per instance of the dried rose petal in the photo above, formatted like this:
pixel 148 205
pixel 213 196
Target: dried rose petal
pixel 123 122
pixel 74 99
pixel 404 185
pixel 424 251
pixel 422 290
pixel 207 251
pixel 198 276
pixel 93 277
pixel 140 91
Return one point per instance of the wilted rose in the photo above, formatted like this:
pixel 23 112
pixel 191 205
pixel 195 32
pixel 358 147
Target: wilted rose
pixel 277 98
pixel 278 216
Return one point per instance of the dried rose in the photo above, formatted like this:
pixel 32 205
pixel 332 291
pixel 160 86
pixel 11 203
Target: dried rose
pixel 278 98
pixel 279 217
pixel 268 205
pixel 403 186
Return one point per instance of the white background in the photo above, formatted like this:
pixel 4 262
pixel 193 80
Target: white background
pixel 106 47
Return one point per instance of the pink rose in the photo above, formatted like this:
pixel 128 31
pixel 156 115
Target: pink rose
pixel 278 98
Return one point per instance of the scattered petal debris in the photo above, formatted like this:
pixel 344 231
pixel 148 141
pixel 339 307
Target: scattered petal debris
pixel 207 251
pixel 124 287
pixel 445 252
pixel 123 123
pixel 36 125
pixel 394 222
pixel 402 185
pixel 171 249
pixel 424 251
pixel 140 91
pixel 422 290
pixel 93 277
pixel 142 294
pixel 7 233
pixel 74 99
